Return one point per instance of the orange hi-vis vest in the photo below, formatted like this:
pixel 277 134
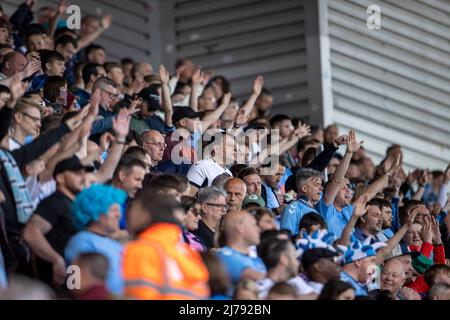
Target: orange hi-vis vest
pixel 159 265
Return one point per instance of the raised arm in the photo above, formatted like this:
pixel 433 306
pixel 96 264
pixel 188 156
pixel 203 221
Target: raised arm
pixel 60 11
pixel 166 101
pixel 381 183
pixel 121 127
pixel 302 131
pixel 89 38
pixel 423 181
pixel 320 162
pixel 335 184
pixel 212 117
pixel 197 79
pixel 359 209
pixel 256 91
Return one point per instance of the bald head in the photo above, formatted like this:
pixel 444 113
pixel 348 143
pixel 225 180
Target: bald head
pixel 154 143
pixel 241 229
pixel 236 190
pixel 13 62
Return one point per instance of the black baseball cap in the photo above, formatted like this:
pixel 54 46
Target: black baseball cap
pixel 71 164
pixel 180 113
pixel 311 256
pixel 152 97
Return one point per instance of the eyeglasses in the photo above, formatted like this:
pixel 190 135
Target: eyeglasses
pixel 112 95
pixel 35 119
pixel 221 206
pixel 158 144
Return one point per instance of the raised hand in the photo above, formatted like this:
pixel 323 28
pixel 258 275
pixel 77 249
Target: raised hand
pixel 197 76
pixel 180 70
pixel 423 178
pixel 342 139
pixel 352 144
pixel 30 68
pixel 258 85
pixel 164 75
pixel 435 230
pixel 33 55
pixel 105 141
pixel 134 107
pixel 436 210
pixel 121 124
pixel 226 99
pixel 30 4
pixel 208 75
pixel 426 233
pixel 17 87
pixel 360 206
pixel 241 118
pixel 136 86
pixel 396 164
pixel 62 7
pixel 77 120
pixel 303 130
pixel 412 216
pixel 106 22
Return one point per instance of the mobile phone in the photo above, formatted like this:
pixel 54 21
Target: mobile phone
pixel 63 96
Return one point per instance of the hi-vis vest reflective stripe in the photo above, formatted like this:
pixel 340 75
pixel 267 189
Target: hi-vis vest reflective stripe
pixel 154 270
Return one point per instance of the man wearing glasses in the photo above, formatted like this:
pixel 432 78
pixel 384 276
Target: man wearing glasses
pixel 213 203
pixel 154 144
pixel 109 93
pixel 26 124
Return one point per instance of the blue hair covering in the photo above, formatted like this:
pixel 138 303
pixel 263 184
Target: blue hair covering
pixel 94 201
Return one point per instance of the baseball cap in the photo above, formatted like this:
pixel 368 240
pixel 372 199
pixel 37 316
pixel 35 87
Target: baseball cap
pixel 71 164
pixel 184 112
pixel 311 256
pixel 254 199
pixel 152 97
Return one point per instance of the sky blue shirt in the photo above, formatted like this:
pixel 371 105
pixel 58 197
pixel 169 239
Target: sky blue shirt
pixel 293 213
pixel 236 262
pixel 336 221
pixel 272 201
pixel 3 279
pixel 359 290
pixel 86 241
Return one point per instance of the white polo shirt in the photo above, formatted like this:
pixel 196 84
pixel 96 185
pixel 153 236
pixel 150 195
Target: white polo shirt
pixel 203 173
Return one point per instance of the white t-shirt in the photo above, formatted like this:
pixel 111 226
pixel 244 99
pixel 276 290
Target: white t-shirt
pixel 39 190
pixel 203 173
pixel 13 144
pixel 298 283
pixel 316 286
